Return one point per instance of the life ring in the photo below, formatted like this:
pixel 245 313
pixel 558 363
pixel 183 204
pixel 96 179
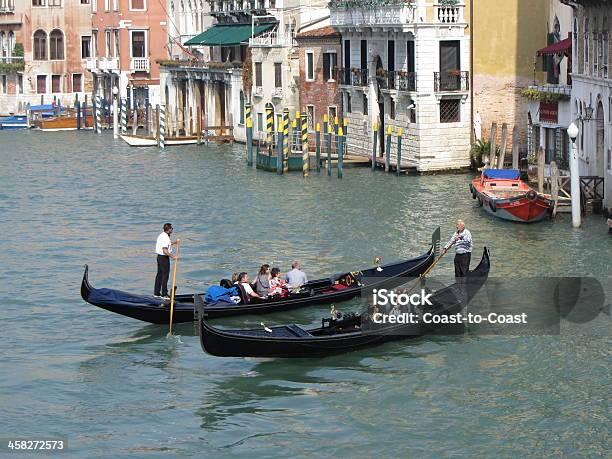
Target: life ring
pixel 492 206
pixel 479 201
pixel 473 190
pixel 532 195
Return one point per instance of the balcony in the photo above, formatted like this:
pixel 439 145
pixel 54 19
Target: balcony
pixel 371 13
pixel 397 80
pixel 7 7
pixel 140 64
pixel 562 90
pixel 449 14
pixel 91 64
pixel 452 81
pixel 277 93
pixel 12 63
pixel 109 64
pixel 353 77
pixel 272 39
pixel 258 91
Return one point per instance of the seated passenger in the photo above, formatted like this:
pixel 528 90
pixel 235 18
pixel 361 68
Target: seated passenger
pixel 243 279
pixel 296 277
pixel 262 282
pixel 277 285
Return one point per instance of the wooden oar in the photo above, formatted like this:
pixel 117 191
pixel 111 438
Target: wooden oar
pixel 435 262
pixel 178 243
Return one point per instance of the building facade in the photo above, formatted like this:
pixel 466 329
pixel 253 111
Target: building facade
pixel 406 64
pixel 41 57
pixel 591 100
pixel 319 51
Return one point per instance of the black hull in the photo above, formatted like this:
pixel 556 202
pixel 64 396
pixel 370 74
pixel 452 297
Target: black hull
pixel 291 341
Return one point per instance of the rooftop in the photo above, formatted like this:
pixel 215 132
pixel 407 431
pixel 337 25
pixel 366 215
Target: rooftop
pixel 321 32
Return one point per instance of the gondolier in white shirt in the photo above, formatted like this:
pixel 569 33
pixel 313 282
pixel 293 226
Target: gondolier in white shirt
pixel 462 240
pixel 163 249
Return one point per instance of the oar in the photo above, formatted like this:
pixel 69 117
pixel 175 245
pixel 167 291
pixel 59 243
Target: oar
pixel 178 243
pixel 435 262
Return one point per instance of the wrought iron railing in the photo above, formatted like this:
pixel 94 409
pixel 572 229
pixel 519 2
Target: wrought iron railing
pixel 353 77
pixel 397 80
pixel 451 81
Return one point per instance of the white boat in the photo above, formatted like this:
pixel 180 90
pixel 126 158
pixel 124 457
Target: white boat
pixel 150 141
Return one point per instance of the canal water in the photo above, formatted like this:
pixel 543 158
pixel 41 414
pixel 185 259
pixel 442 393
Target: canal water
pixel 115 386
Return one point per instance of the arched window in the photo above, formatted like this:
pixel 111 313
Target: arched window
pixel 40 45
pixel 11 43
pixel 2 45
pixel 586 46
pixel 575 40
pixel 605 44
pixel 596 47
pixel 56 48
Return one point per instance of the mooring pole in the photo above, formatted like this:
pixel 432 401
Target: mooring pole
pixel 388 149
pixel 340 151
pixel 374 144
pixel 157 124
pixel 329 148
pixel 98 115
pixel 162 127
pixel 123 115
pixel 400 132
pixel 280 148
pixel 249 139
pixel 305 151
pixel 287 148
pixel 78 114
pixel 318 146
pixel 345 128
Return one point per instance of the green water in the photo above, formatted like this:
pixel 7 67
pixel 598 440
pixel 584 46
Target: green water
pixel 116 387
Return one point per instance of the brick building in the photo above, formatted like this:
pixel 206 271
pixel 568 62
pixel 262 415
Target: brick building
pixel 320 51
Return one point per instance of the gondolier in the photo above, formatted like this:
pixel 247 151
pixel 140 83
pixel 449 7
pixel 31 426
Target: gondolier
pixel 163 249
pixel 462 240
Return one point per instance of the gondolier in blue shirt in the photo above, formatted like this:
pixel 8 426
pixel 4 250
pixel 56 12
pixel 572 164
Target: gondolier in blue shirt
pixel 163 249
pixel 462 240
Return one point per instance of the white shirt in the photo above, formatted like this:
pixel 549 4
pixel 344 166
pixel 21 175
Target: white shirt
pixel 163 242
pixel 296 277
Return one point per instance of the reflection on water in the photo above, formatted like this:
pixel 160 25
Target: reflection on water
pixel 109 383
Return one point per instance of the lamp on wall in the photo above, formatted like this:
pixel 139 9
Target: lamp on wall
pixel 588 113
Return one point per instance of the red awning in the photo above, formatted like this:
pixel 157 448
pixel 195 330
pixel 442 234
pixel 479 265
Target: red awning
pixel 561 47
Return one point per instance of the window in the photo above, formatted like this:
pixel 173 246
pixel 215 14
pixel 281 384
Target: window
pixel 56 83
pixel 278 75
pixel 3 88
pixel 347 54
pixel 260 122
pixel 364 54
pixel 56 41
pixel 117 47
pixel 138 44
pixel 11 43
pixel 410 56
pixel 310 113
pixel 77 82
pixel 258 74
pixel 391 55
pixel 38 2
pixel 41 84
pixel 3 48
pixel 391 108
pixel 330 62
pixel 40 46
pixel 138 5
pixel 85 47
pixel 332 113
pixel 310 66
pixel 94 47
pixel 365 104
pixel 108 48
pixel 106 5
pixel 575 39
pixel 55 2
pixel 604 40
pixel 115 6
pixel 347 107
pixel 586 45
pixel 596 47
pixel 19 83
pixel 450 110
pixel 94 5
pixel 84 2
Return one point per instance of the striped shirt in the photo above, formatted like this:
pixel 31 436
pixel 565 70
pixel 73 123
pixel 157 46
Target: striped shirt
pixel 462 242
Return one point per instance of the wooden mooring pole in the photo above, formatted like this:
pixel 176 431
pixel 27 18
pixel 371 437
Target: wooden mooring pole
pixel 318 147
pixel 502 150
pixel 400 131
pixel 374 145
pixel 515 148
pixel 388 149
pixel 329 148
pixel 541 170
pixel 340 152
pixel 492 147
pixel 554 185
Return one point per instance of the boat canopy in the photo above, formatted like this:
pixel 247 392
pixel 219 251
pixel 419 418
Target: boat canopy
pixel 501 174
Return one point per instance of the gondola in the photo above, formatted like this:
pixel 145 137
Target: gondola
pixel 336 288
pixel 336 335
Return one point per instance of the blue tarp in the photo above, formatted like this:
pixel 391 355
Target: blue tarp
pixel 107 295
pixel 217 293
pixel 507 174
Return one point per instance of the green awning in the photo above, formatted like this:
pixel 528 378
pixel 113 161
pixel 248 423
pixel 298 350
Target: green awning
pixel 227 35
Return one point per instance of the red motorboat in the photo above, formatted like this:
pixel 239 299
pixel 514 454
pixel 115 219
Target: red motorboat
pixel 502 193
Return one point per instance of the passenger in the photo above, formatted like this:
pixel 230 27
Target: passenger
pixel 262 282
pixel 243 279
pixel 296 277
pixel 234 278
pixel 277 285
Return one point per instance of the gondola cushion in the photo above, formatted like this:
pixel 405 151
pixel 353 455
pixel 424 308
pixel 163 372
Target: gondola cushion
pixel 111 296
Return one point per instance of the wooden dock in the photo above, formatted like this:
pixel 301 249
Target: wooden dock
pixel 406 167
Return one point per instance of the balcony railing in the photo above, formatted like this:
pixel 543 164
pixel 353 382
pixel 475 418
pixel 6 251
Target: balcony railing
pixel 371 13
pixel 272 39
pixel 353 77
pixel 277 93
pixel 7 8
pixel 109 63
pixel 91 64
pixel 449 14
pixel 11 59
pixel 397 80
pixel 453 81
pixel 258 91
pixel 140 64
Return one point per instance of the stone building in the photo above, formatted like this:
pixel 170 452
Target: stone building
pixel 406 64
pixel 320 51
pixel 591 100
pixel 41 55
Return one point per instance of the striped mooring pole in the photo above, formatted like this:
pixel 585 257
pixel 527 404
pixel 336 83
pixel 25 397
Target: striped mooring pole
pixel 329 148
pixel 162 127
pixel 280 147
pixel 374 145
pixel 318 146
pixel 345 129
pixel 388 149
pixel 249 134
pixel 340 150
pixel 269 126
pixel 305 152
pixel 98 116
pixel 123 115
pixel 287 145
pixel 400 132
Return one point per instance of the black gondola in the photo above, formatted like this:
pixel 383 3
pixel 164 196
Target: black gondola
pixel 335 336
pixel 340 287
